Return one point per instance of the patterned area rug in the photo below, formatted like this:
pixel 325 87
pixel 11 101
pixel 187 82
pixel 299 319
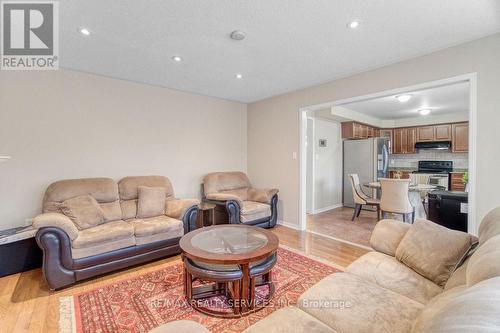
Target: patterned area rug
pixel 152 299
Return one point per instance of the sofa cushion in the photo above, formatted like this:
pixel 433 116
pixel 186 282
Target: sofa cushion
pixel 422 250
pixel 463 310
pixel 101 189
pixel 111 231
pixel 83 210
pixel 156 228
pixel 251 210
pixel 490 225
pixel 151 201
pixel 128 186
pixel 485 262
pixel 289 319
pixel 103 238
pixel 389 273
pixel 112 211
pixel 155 225
pixel 458 277
pixel 387 235
pixel 222 181
pixel 349 303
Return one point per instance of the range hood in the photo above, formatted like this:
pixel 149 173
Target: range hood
pixel 433 145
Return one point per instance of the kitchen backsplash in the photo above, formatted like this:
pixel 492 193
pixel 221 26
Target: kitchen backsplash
pixel 460 160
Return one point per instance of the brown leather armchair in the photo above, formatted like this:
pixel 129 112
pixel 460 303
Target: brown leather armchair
pixel 238 202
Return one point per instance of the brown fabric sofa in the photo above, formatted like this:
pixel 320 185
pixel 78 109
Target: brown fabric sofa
pixel 73 251
pixel 378 293
pixel 238 202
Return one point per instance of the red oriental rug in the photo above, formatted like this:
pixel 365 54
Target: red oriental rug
pixel 144 302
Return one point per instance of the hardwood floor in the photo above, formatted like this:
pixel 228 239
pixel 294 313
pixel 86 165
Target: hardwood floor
pixel 26 304
pixel 337 223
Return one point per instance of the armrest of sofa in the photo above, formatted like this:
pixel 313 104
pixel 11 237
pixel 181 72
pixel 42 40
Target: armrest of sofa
pixel 56 220
pixel 262 195
pixel 185 210
pixel 387 235
pixel 177 208
pixel 224 197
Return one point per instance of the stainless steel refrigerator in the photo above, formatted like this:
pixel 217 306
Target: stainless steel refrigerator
pixel 369 158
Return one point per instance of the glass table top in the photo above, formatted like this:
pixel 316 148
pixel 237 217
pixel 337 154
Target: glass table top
pixel 229 240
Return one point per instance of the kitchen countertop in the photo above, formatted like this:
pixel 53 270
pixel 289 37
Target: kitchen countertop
pixel 410 169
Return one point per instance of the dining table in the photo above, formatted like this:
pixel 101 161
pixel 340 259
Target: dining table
pixel 416 195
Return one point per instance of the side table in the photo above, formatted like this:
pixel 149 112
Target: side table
pixel 206 214
pixel 19 251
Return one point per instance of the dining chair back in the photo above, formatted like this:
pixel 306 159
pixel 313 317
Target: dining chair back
pixel 360 198
pixel 357 193
pixel 395 197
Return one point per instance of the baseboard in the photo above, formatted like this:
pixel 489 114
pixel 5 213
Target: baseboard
pixel 288 225
pixel 324 209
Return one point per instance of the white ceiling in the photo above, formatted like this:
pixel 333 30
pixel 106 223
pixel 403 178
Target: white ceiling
pixel 290 44
pixel 442 100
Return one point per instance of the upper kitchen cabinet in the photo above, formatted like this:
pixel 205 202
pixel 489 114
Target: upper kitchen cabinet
pixel 404 140
pixel 425 133
pixel 460 138
pixel 434 133
pixel 354 130
pixel 399 141
pixel 411 134
pixel 442 132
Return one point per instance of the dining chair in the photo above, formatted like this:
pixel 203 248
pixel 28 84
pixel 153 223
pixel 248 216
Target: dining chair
pixel 395 197
pixel 360 198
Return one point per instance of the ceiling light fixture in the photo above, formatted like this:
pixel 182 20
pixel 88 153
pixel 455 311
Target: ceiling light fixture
pixel 237 35
pixel 353 24
pixel 177 58
pixel 424 112
pixel 238 76
pixel 84 31
pixel 404 98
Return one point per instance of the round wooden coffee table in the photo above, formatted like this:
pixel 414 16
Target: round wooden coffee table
pixel 237 258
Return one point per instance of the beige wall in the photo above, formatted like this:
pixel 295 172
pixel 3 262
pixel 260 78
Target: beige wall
pixel 66 124
pixel 273 124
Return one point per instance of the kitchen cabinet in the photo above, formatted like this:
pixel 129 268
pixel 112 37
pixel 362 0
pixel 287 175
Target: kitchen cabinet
pixel 412 139
pixel 434 133
pixel 400 141
pixel 442 132
pixel 354 130
pixel 404 140
pixel 460 137
pixel 456 182
pixel 425 133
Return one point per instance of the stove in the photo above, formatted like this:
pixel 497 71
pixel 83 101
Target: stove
pixel 435 172
pixel 435 167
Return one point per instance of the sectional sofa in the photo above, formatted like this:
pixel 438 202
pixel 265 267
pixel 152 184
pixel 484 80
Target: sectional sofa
pixel 419 278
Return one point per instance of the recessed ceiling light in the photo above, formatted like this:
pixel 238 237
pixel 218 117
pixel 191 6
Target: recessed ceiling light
pixel 237 35
pixel 424 112
pixel 404 98
pixel 353 24
pixel 84 31
pixel 177 58
pixel 238 76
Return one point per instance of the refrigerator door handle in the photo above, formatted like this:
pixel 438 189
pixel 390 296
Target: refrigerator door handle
pixel 385 154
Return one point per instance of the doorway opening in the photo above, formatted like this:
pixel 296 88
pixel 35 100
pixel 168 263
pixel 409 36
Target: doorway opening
pixel 341 137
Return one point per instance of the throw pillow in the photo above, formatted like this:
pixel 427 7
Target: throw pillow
pixel 434 251
pixel 151 201
pixel 83 210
